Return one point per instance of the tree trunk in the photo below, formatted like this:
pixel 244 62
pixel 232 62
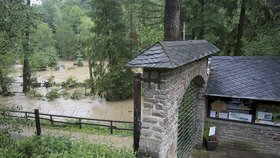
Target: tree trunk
pixel 172 20
pixel 201 31
pixel 3 84
pixel 238 46
pixel 26 68
pixel 90 73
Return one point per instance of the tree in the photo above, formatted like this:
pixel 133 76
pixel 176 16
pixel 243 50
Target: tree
pixel 52 61
pixel 73 15
pixel 67 46
pixel 172 20
pixel 85 38
pixel 112 50
pixel 241 24
pixel 12 20
pixel 26 51
pixel 42 38
pixel 6 60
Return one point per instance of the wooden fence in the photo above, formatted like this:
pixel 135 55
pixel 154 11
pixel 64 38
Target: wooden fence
pixel 111 124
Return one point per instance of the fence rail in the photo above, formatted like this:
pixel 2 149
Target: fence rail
pixel 79 120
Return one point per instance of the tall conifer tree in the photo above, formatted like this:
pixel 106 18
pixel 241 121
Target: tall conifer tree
pixel 112 50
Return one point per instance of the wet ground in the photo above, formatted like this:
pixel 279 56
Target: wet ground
pixel 92 107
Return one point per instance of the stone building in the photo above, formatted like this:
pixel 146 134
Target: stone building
pixel 174 75
pixel 176 105
pixel 249 87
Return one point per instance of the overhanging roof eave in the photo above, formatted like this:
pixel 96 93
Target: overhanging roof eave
pixel 243 97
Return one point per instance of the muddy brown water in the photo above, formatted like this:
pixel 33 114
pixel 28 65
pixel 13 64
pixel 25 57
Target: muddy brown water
pixel 94 107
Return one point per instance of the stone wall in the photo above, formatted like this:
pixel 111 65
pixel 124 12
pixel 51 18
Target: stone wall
pixel 244 136
pixel 160 109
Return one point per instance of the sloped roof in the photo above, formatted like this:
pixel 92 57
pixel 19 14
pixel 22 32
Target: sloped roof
pixel 245 77
pixel 172 54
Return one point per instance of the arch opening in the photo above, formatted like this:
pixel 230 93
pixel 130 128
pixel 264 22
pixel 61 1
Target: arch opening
pixel 187 118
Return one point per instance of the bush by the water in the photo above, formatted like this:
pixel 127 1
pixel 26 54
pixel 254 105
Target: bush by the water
pixel 34 93
pixel 116 85
pixel 53 94
pixel 71 82
pixel 80 60
pixel 56 147
pixel 77 94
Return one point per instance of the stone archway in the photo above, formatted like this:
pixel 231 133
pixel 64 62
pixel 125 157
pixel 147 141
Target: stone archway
pixel 159 129
pixel 168 69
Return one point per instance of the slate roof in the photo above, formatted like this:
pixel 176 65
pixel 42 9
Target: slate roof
pixel 245 77
pixel 172 54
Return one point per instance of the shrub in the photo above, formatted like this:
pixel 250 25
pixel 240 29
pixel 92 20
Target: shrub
pixel 8 125
pixel 39 61
pixel 77 95
pixel 50 146
pixel 71 82
pixel 34 93
pixel 114 85
pixel 53 94
pixel 79 60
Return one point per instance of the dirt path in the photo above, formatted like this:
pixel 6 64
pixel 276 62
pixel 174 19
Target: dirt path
pixel 108 139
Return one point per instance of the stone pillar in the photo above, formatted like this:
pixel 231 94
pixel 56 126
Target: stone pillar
pixel 159 128
pixel 155 123
pixel 201 115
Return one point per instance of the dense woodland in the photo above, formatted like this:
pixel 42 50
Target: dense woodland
pixel 108 33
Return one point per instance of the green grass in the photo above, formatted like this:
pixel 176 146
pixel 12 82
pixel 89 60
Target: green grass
pixel 89 129
pixel 47 146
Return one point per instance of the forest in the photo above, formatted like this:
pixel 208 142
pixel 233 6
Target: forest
pixel 108 33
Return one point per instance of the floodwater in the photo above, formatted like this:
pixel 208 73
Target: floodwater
pixel 94 107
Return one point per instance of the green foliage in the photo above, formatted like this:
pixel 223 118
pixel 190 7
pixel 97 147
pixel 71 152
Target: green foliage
pixel 65 36
pixel 79 60
pixel 53 94
pixel 77 94
pixel 6 62
pixel 50 146
pixel 207 126
pixel 115 85
pixel 85 35
pixel 42 38
pixel 32 92
pixel 71 82
pixel 89 129
pixel 112 46
pixel 8 125
pixel 261 25
pixel 38 61
pixel 72 16
pixel 43 59
pixel 149 35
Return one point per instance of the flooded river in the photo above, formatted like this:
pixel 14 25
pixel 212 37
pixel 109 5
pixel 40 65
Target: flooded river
pixel 94 107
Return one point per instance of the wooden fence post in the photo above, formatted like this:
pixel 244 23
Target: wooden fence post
pixel 37 121
pixel 137 111
pixel 111 126
pixel 51 119
pixel 80 123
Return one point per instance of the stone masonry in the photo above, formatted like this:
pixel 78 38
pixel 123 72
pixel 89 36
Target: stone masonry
pixel 252 137
pixel 160 109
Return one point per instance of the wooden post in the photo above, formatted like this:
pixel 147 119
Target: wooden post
pixel 51 119
pixel 111 126
pixel 37 121
pixel 80 123
pixel 26 117
pixel 137 111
